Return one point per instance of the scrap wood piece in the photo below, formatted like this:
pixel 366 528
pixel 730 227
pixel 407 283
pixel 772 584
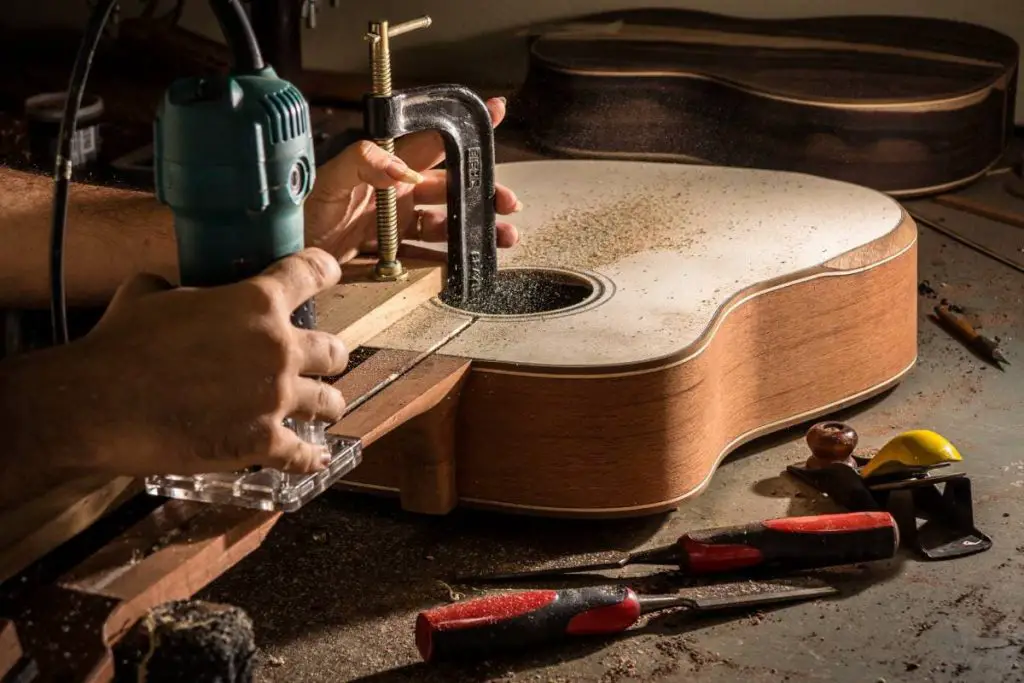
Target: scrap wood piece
pixel 10 647
pixel 29 531
pixel 70 626
pixel 360 308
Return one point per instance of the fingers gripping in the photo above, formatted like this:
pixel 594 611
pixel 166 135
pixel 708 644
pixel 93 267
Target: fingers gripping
pixel 434 191
pixel 301 276
pixel 380 169
pixel 322 353
pixel 314 400
pixel 431 225
pixel 295 456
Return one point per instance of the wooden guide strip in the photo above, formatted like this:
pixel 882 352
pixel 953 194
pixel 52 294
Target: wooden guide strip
pixel 421 389
pixel 373 371
pixel 425 401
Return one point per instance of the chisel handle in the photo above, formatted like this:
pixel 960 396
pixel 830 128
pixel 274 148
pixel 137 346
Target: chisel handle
pixel 792 543
pixel 512 621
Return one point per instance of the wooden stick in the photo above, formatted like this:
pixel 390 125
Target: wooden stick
pixel 965 241
pixel 980 209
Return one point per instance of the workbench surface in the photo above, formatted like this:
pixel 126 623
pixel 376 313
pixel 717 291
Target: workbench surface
pixel 335 588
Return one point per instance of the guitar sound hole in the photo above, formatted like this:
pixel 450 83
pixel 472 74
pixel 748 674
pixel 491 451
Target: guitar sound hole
pixel 525 291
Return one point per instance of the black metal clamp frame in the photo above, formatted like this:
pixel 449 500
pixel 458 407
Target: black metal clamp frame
pixel 462 119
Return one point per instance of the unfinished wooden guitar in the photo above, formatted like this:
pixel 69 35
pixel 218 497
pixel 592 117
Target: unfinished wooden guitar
pixel 698 308
pixel 906 105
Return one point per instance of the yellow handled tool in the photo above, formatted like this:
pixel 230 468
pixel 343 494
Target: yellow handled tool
pixel 914 451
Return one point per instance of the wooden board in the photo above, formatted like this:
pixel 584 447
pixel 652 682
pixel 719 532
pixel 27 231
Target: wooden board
pixel 30 531
pixel 906 105
pixel 729 303
pixel 170 555
pixel 361 307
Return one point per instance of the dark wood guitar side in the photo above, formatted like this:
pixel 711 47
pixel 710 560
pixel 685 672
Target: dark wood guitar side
pixel 907 106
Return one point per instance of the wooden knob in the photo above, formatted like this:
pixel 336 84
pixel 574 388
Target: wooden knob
pixel 831 442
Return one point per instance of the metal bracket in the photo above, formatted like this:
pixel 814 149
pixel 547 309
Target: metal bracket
pixel 942 504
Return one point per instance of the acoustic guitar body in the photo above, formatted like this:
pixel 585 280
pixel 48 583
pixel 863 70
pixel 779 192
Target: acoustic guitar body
pixel 908 106
pixel 697 307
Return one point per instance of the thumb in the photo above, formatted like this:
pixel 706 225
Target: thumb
pixel 132 289
pixel 138 286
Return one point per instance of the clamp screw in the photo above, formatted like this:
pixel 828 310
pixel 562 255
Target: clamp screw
pixel 388 268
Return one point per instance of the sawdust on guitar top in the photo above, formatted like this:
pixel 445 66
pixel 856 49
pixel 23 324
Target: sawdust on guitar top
pixel 590 238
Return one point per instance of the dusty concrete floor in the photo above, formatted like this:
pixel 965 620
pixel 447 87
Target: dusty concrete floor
pixel 335 589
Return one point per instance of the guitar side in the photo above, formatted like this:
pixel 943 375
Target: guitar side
pixel 630 439
pixel 907 106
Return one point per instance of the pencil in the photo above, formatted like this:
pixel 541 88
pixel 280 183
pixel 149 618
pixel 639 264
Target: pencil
pixel 970 336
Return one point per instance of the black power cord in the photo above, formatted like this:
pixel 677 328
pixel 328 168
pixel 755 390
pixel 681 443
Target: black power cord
pixel 238 34
pixel 62 168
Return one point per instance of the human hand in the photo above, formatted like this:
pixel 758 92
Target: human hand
pixel 200 380
pixel 340 211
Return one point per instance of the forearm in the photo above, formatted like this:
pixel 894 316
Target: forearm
pixel 111 235
pixel 48 418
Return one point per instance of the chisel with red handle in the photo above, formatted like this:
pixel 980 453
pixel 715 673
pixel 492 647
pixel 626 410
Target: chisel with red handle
pixel 481 628
pixel 784 544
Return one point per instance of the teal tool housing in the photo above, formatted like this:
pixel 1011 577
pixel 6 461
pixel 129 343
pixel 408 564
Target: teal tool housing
pixel 234 162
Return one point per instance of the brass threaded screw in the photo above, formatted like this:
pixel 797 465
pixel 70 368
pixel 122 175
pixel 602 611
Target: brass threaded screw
pixel 388 267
